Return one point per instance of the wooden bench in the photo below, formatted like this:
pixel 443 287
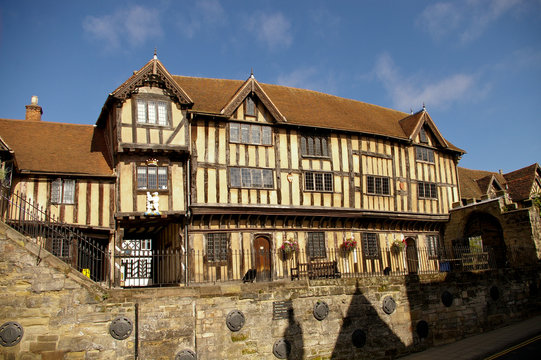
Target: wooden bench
pixel 316 270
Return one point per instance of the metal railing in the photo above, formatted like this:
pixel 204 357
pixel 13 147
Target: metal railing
pixel 168 267
pixel 62 240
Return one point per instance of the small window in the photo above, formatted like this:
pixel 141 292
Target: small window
pixel 8 174
pixel 152 178
pixel 433 245
pixel 422 136
pixel 314 145
pixel 251 178
pixel 250 106
pixel 377 185
pixel 424 154
pixel 316 245
pixel 63 191
pixel 427 190
pixel 152 112
pixel 370 245
pixel 217 247
pixel 252 134
pixel 318 181
pixel 60 246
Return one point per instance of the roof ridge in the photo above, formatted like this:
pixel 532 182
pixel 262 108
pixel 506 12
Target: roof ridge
pixel 48 122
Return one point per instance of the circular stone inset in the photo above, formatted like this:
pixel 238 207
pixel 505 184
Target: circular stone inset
pixel 422 329
pixel 389 305
pixel 235 320
pixel 121 328
pixel 358 338
pixel 186 354
pixel 281 349
pixel 11 333
pixel 321 310
pixel 447 298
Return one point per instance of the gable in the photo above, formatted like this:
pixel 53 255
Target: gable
pixel 421 129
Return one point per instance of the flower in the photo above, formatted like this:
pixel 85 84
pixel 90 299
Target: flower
pixel 349 244
pixel 289 246
pixel 397 246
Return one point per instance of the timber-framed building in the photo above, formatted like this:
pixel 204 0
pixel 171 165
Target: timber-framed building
pixel 228 173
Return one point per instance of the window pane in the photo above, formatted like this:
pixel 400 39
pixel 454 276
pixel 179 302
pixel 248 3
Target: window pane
pixel 162 113
pixel 385 185
pixel 317 146
pixel 217 247
pixel 328 182
pixel 422 136
pixel 56 191
pixel 256 135
pixel 319 181
pixel 151 112
pixel 303 145
pixel 431 155
pixel 246 177
pixel 245 133
pixel 370 185
pixel 162 178
pixel 141 111
pixel 370 245
pixel 316 244
pixel 379 189
pixel 421 189
pixel 267 135
pixel 234 177
pixel 433 193
pixel 152 178
pixel 250 106
pixel 69 192
pixel 141 177
pixel 324 147
pixel 268 179
pixel 310 146
pixel 256 178
pixel 234 132
pixel 309 181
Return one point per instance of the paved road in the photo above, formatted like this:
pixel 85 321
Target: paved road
pixel 528 349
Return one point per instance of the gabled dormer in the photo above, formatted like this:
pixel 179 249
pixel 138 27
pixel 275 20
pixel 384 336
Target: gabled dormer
pixel 147 112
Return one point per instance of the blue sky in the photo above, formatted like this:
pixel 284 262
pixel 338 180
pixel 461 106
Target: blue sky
pixel 476 64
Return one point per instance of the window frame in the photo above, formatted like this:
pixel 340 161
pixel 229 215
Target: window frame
pixel 252 172
pixel 61 195
pixel 385 181
pixel 219 243
pixel 250 99
pixel 250 129
pixel 157 180
pixel 368 248
pixel 316 245
pixel 310 177
pixel 320 143
pixel 146 98
pixel 423 136
pixel 433 245
pixel 425 154
pixel 432 190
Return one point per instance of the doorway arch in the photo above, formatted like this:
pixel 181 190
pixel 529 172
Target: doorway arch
pixel 412 258
pixel 262 260
pixel 490 230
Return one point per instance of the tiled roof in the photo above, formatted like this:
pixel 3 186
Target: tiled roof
pixel 48 147
pixel 474 183
pixel 303 107
pixel 520 182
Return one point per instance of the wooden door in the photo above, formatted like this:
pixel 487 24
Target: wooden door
pixel 411 256
pixel 262 258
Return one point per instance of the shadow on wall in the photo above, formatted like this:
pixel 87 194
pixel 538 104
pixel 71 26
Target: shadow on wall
pixel 293 335
pixel 364 334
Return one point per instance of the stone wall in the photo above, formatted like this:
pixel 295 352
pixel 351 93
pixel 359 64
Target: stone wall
pixel 66 316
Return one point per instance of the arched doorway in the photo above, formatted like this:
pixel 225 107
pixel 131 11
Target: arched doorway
pixel 262 258
pixel 490 230
pixel 411 256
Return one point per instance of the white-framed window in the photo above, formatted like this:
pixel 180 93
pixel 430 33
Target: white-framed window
pixel 217 247
pixel 427 190
pixel 370 245
pixel 377 185
pixel 63 191
pixel 318 181
pixel 251 134
pixel 255 178
pixel 152 112
pixel 152 178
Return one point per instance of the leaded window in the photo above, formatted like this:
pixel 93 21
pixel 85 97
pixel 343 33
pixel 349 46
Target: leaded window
pixel 251 134
pixel 152 178
pixel 250 106
pixel 370 245
pixel 427 190
pixel 152 112
pixel 424 154
pixel 217 247
pixel 422 136
pixel 251 178
pixel 377 185
pixel 318 181
pixel 433 245
pixel 314 145
pixel 63 191
pixel 316 245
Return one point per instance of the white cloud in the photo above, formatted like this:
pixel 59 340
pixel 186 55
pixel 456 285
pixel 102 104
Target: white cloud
pixel 133 25
pixel 203 14
pixel 414 91
pixel 308 78
pixel 466 20
pixel 272 29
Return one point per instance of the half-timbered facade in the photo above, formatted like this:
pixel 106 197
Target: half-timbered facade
pixel 226 172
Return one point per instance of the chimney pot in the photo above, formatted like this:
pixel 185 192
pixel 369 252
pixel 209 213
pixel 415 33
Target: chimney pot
pixel 33 111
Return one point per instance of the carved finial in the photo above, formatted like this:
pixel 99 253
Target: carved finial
pixel 252 73
pixel 155 53
pixel 424 107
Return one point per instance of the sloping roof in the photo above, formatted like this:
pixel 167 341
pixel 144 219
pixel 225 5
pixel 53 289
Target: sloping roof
pixel 48 147
pixel 520 182
pixel 474 183
pixel 302 107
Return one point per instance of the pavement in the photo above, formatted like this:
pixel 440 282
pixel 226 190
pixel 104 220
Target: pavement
pixel 482 345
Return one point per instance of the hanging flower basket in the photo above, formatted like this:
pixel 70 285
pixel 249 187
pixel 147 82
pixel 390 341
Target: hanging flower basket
pixel 348 245
pixel 397 247
pixel 289 247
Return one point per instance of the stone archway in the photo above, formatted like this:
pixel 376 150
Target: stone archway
pixel 490 230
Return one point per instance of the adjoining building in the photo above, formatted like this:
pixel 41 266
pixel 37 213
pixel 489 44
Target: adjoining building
pixel 187 179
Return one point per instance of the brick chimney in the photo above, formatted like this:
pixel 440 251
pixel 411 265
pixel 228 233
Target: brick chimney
pixel 33 111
